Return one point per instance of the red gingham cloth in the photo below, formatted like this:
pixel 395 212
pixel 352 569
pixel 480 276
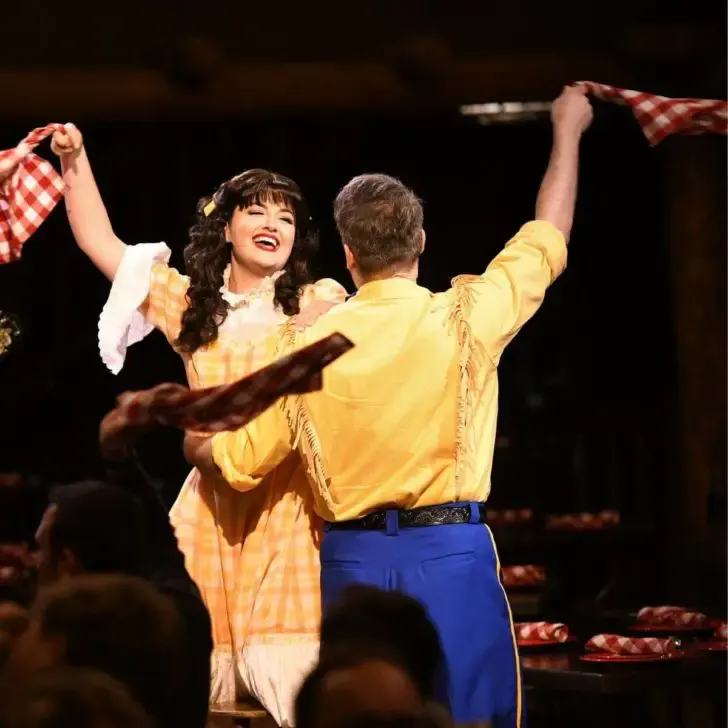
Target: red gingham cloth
pixel 229 406
pixel 15 560
pixel 583 521
pixel 545 631
pixel 721 631
pixel 527 575
pixel 671 616
pixel 29 190
pixel 618 645
pixel 660 116
pixel 508 517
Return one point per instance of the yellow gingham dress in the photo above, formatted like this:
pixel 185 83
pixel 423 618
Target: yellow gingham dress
pixel 253 555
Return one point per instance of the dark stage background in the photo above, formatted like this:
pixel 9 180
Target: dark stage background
pixel 585 387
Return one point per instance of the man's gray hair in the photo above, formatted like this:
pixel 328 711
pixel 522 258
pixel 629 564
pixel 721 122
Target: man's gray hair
pixel 380 220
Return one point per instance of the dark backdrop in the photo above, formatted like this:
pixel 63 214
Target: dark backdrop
pixel 586 387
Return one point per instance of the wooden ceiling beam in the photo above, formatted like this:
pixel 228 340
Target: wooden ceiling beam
pixel 64 94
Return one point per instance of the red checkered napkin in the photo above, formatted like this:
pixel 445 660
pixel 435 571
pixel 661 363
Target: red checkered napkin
pixel 527 575
pixel 671 616
pixel 583 521
pixel 508 517
pixel 544 631
pixel 617 645
pixel 660 116
pixel 230 406
pixel 29 190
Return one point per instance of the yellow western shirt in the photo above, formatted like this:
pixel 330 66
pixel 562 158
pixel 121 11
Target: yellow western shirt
pixel 408 417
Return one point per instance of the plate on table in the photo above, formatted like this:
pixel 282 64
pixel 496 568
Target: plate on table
pixel 713 646
pixel 672 628
pixel 609 658
pixel 535 644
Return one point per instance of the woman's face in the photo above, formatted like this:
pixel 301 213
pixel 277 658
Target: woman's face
pixel 262 236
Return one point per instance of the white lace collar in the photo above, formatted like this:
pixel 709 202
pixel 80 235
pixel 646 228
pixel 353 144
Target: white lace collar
pixel 265 289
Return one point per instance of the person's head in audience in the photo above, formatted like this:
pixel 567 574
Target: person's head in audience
pixel 367 614
pixel 13 622
pixel 118 624
pixel 77 698
pixel 90 527
pixel 358 679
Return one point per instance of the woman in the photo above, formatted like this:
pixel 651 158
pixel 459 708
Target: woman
pixel 254 556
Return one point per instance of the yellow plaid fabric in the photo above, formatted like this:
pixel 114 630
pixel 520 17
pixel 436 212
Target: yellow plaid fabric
pixel 255 555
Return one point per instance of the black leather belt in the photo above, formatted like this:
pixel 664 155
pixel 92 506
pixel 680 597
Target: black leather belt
pixel 444 515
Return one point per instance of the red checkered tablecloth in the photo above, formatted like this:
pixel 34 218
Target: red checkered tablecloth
pixel 661 116
pixel 30 188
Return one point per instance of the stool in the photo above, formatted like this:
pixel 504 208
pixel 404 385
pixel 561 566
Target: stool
pixel 242 712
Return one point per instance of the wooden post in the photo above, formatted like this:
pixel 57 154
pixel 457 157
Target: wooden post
pixel 695 180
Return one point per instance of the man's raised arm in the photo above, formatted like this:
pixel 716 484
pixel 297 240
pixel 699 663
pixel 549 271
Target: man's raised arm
pixel 513 287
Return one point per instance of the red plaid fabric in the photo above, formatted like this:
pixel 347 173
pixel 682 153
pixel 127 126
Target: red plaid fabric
pixel 660 116
pixel 671 616
pixel 583 521
pixel 510 517
pixel 29 190
pixel 528 575
pixel 618 645
pixel 545 631
pixel 16 560
pixel 230 406
pixel 721 631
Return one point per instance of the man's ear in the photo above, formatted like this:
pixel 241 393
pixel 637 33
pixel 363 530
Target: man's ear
pixel 422 242
pixel 349 256
pixel 68 564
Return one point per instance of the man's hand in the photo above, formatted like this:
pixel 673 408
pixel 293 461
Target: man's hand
pixel 312 312
pixel 67 142
pixel 571 112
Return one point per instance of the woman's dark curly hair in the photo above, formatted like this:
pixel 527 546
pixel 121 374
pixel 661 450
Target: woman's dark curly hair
pixel 209 253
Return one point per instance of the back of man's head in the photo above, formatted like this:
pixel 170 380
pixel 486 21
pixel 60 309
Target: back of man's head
pixel 367 614
pixel 120 625
pixel 380 220
pixel 355 680
pixel 62 697
pixel 97 525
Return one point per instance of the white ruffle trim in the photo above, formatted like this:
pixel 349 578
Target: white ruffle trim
pixel 120 323
pixel 222 677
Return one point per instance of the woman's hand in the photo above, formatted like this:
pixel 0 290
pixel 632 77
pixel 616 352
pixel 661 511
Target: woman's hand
pixel 312 313
pixel 67 142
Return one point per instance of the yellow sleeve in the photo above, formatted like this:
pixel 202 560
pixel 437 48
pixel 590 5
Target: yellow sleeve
pixel 166 300
pixel 246 455
pixel 327 289
pixel 498 303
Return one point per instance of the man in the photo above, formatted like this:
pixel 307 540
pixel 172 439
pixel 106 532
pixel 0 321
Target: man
pixel 74 696
pixel 364 615
pixel 369 681
pixel 122 527
pixel 399 443
pixel 120 625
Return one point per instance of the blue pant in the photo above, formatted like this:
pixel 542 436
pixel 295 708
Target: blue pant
pixel 454 571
